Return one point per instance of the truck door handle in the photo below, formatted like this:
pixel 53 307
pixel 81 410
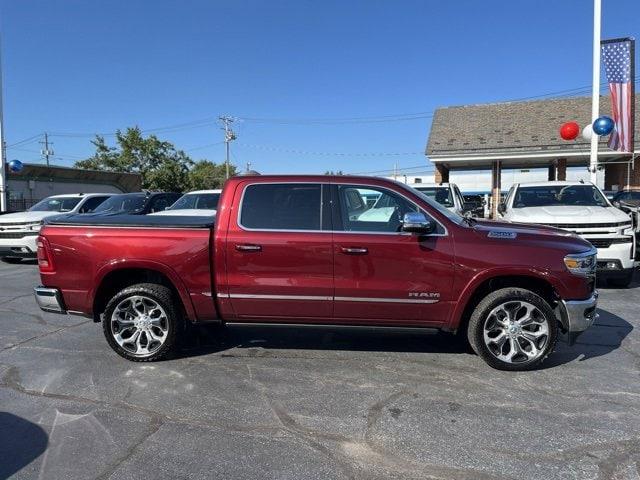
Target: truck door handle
pixel 354 250
pixel 247 247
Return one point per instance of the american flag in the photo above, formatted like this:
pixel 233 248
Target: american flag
pixel 617 62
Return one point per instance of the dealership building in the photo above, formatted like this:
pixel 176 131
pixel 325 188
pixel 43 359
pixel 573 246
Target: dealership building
pixel 494 145
pixel 35 182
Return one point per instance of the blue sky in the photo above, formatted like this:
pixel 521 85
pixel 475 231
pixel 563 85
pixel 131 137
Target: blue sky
pixel 76 67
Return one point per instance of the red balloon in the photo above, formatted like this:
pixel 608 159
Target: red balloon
pixel 569 131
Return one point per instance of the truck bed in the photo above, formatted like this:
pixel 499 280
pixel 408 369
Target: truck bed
pixel 157 221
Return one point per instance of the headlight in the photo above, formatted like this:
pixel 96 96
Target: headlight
pixel 33 226
pixel 581 263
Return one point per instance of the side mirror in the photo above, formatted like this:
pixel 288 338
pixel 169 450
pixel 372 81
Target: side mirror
pixel 502 208
pixel 416 222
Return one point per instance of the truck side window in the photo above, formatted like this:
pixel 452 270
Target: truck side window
pixel 91 204
pixel 286 206
pixel 385 215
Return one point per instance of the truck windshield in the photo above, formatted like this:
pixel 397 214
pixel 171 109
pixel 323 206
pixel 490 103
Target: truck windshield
pixel 203 201
pixel 442 195
pixel 559 195
pixel 58 204
pixel 123 203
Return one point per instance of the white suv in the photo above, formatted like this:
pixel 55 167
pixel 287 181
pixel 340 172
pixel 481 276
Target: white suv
pixel 446 194
pixel 583 209
pixel 18 231
pixel 197 203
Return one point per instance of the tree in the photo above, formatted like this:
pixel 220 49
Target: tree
pixel 331 172
pixel 161 166
pixel 206 175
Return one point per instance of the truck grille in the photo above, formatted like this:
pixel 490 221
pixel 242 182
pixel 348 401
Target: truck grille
pixel 607 242
pixel 589 225
pixel 16 234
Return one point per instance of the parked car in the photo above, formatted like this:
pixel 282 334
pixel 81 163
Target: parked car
pixel 583 209
pixel 475 204
pixel 290 249
pixel 626 198
pixel 446 194
pixel 140 203
pixel 18 231
pixel 198 203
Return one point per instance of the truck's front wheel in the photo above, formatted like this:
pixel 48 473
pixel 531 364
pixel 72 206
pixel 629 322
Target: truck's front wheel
pixel 513 329
pixel 141 322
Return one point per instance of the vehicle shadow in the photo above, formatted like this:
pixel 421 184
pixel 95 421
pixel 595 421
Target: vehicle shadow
pixel 21 442
pixel 605 336
pixel 203 340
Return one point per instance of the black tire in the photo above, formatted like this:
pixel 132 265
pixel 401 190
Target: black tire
pixel 511 296
pixel 622 282
pixel 174 323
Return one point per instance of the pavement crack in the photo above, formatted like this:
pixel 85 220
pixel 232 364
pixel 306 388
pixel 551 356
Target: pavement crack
pixel 154 426
pixel 42 335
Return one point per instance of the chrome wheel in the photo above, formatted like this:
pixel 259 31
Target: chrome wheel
pixel 516 332
pixel 139 325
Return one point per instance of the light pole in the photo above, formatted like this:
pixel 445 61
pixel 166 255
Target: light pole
pixel 595 94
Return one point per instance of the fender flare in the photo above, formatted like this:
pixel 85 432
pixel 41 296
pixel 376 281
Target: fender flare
pixel 161 268
pixel 469 290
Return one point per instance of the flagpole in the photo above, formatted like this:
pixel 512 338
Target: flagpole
pixel 595 94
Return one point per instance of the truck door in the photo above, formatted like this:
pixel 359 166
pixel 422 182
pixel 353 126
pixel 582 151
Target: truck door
pixel 279 252
pixel 381 274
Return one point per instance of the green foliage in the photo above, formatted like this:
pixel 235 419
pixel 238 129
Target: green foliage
pixel 161 166
pixel 331 172
pixel 206 175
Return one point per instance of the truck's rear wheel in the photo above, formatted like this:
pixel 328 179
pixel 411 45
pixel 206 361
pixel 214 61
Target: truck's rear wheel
pixel 513 329
pixel 141 322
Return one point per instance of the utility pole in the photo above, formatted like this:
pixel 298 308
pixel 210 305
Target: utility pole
pixel 229 136
pixel 248 167
pixel 3 183
pixel 46 151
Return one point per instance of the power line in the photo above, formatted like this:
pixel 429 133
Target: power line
pixel 337 154
pixel 398 169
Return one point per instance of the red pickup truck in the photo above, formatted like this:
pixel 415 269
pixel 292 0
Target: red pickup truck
pixel 332 250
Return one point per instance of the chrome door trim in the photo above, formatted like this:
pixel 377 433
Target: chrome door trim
pixel 248 229
pixel 385 300
pixel 238 216
pixel 251 296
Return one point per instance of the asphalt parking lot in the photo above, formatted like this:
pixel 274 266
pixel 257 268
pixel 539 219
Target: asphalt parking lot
pixel 304 403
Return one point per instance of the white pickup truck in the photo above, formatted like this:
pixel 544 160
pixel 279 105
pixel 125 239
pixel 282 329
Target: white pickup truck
pixel 18 231
pixel 583 209
pixel 446 194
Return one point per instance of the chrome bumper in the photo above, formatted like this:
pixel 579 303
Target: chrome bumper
pixel 578 315
pixel 49 299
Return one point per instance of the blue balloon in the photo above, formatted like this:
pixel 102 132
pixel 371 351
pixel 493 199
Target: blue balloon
pixel 15 165
pixel 603 126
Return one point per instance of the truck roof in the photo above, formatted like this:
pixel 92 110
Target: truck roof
pixel 81 195
pixel 430 185
pixel 559 183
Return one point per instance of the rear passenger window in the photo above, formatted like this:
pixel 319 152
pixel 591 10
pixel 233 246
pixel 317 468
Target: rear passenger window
pixel 290 206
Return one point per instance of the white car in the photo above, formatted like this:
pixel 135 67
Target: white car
pixel 198 203
pixel 18 231
pixel 446 194
pixel 583 209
